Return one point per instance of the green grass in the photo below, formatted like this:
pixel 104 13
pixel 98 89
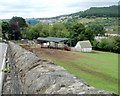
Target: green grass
pixel 107 64
pixel 99 70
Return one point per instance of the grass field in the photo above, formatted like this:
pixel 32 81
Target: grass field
pixel 98 69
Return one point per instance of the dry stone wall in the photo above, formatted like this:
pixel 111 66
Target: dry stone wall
pixel 38 76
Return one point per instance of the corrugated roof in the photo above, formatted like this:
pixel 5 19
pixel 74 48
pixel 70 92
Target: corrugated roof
pixel 113 32
pixel 85 44
pixel 52 39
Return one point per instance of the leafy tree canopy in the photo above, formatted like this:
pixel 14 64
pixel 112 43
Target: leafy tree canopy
pixel 97 29
pixel 19 21
pixel 59 30
pixel 13 28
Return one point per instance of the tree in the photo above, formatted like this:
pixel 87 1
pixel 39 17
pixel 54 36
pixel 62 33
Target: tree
pixel 116 47
pixel 77 33
pixel 31 34
pixel 5 29
pixel 78 28
pixel 25 32
pixel 102 44
pixel 97 29
pixel 38 30
pixel 111 44
pixel 14 32
pixel 20 22
pixel 68 25
pixel 42 29
pixel 88 34
pixel 17 24
pixel 59 30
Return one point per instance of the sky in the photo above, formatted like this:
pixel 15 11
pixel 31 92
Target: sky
pixel 47 8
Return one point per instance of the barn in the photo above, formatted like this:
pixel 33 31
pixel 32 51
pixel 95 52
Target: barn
pixel 52 42
pixel 83 46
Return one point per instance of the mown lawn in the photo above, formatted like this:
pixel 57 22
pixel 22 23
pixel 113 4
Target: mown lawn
pixel 98 69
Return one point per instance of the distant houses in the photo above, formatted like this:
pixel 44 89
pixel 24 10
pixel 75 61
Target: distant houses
pixel 98 38
pixel 112 33
pixel 108 33
pixel 112 30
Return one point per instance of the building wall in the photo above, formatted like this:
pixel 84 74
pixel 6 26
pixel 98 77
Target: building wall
pixel 86 50
pixel 112 34
pixel 78 47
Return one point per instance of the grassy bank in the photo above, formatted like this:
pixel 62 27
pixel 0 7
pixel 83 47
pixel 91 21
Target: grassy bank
pixel 99 69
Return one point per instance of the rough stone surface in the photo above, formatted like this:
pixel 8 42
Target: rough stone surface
pixel 11 84
pixel 38 76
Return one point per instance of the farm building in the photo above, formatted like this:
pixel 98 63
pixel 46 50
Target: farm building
pixel 52 42
pixel 83 46
pixel 99 38
pixel 112 33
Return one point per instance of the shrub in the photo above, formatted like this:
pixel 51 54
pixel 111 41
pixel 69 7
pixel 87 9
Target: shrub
pixel 111 44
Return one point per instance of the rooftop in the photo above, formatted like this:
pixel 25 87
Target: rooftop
pixel 113 32
pixel 85 44
pixel 52 39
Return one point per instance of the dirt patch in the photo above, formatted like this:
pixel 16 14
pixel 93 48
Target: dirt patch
pixel 59 54
pixel 64 55
pixel 54 53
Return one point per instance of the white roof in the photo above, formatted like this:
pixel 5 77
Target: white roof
pixel 85 44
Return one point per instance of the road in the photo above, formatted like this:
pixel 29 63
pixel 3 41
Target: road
pixel 3 49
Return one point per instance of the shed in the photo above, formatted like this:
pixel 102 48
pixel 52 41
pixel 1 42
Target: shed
pixel 83 46
pixel 53 41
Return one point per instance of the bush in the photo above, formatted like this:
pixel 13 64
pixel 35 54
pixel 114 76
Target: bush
pixel 111 44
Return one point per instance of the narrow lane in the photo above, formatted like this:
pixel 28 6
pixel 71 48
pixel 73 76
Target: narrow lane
pixel 3 49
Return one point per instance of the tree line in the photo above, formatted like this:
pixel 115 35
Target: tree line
pixel 111 11
pixel 17 29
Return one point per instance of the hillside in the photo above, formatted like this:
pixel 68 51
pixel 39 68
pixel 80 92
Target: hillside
pixel 106 16
pixel 111 11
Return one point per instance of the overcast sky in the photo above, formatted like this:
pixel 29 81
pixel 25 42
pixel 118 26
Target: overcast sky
pixel 47 8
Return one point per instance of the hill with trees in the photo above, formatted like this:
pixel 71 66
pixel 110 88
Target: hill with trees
pixel 106 16
pixel 111 11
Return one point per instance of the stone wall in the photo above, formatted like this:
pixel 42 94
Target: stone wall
pixel 38 76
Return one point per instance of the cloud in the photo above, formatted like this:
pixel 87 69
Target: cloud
pixel 46 8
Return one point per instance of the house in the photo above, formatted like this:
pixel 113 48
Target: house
pixel 98 38
pixel 83 46
pixel 112 33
